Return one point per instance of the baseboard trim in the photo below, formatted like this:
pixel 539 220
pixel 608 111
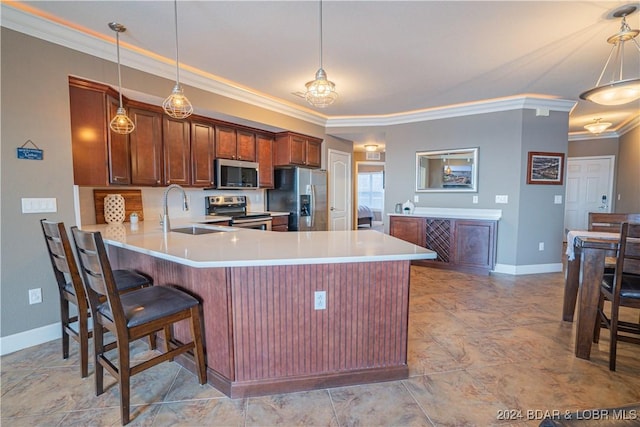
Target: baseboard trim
pixel 517 270
pixel 21 340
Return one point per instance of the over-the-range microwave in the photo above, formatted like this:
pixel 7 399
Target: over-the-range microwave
pixel 235 174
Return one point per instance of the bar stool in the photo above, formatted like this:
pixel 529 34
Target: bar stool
pixel 72 291
pixel 132 316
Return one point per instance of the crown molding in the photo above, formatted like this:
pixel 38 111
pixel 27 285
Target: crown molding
pixel 519 102
pixel 36 26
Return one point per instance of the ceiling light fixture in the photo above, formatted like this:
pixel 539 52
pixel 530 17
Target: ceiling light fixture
pixel 620 91
pixel 371 147
pixel 321 92
pixel 597 126
pixel 120 123
pixel 177 105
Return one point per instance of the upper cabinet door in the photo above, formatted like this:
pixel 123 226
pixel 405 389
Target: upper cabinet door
pixel 246 148
pixel 202 154
pixel 177 155
pixel 146 147
pixel 264 147
pixel 226 142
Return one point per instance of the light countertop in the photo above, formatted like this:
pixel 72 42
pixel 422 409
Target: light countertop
pixel 460 213
pixel 235 247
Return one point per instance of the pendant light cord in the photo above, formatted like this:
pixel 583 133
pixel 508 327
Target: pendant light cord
pixel 119 76
pixel 175 15
pixel 320 33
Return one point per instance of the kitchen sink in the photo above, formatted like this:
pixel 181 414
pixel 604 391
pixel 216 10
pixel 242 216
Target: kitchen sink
pixel 193 230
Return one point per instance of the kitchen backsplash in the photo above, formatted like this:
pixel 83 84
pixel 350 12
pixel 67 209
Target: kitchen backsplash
pixel 152 202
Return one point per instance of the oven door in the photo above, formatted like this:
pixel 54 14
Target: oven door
pixel 258 224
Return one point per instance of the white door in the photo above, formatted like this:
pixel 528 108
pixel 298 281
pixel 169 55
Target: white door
pixel 339 190
pixel 589 189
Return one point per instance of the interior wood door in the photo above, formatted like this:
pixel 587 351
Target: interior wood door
pixel 340 199
pixel 589 189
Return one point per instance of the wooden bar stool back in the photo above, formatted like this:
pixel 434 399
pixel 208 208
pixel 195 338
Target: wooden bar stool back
pixel 132 316
pixel 622 289
pixel 71 289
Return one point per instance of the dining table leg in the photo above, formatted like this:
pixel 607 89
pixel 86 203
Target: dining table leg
pixel 592 271
pixel 571 285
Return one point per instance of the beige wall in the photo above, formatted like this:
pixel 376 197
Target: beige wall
pixel 35 106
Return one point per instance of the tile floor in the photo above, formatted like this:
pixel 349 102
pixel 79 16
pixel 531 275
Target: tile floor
pixel 479 347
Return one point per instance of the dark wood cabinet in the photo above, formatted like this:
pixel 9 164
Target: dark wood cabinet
pixel 264 149
pixel 89 135
pixel 118 147
pixel 280 223
pixel 411 229
pixel 246 146
pixel 202 154
pixel 177 151
pixel 297 150
pixel 235 144
pixel 460 244
pixel 146 147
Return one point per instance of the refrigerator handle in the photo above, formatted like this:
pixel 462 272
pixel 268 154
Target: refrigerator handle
pixel 313 205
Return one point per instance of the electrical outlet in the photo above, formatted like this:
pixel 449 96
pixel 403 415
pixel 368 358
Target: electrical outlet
pixel 416 198
pixel 35 296
pixel 320 300
pixel 475 199
pixel 557 199
pixel 541 246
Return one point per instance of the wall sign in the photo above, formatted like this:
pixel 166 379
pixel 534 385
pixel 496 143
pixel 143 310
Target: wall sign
pixel 29 153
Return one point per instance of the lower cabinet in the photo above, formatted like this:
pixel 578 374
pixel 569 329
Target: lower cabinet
pixel 280 223
pixel 461 244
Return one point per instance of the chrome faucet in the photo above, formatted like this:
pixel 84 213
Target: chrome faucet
pixel 165 206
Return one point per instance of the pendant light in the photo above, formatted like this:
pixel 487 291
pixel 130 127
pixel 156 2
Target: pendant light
pixel 120 123
pixel 177 105
pixel 620 91
pixel 597 126
pixel 321 92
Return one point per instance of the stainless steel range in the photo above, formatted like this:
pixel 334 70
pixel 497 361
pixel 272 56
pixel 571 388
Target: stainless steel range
pixel 236 208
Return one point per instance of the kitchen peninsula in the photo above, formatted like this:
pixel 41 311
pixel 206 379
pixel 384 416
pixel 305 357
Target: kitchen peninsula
pixel 284 312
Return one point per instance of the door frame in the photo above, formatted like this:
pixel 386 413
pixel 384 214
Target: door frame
pixel 355 185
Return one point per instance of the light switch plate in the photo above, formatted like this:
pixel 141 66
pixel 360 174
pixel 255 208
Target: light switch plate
pixel 557 199
pixel 502 198
pixel 39 205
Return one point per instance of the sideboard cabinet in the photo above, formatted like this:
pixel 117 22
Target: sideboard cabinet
pixel 467 245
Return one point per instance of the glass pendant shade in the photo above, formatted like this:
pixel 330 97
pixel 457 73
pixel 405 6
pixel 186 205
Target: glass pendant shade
pixel 597 126
pixel 177 105
pixel 618 91
pixel 120 123
pixel 321 92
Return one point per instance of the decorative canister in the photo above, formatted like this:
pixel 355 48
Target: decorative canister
pixel 114 209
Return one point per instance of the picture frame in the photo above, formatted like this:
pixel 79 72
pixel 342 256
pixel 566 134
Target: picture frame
pixel 545 168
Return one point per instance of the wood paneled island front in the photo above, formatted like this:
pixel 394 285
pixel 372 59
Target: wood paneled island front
pixel 263 334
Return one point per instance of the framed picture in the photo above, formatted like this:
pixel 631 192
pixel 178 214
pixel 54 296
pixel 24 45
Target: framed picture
pixel 545 168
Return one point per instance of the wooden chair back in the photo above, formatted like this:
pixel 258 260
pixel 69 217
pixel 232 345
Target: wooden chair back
pixel 610 222
pixel 62 259
pixel 629 252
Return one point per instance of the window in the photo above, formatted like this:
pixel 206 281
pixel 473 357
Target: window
pixel 371 189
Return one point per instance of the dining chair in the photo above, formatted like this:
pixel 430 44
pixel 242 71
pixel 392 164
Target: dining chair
pixel 132 316
pixel 622 289
pixel 71 290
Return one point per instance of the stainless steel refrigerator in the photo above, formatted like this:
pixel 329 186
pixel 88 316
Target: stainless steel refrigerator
pixel 303 193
